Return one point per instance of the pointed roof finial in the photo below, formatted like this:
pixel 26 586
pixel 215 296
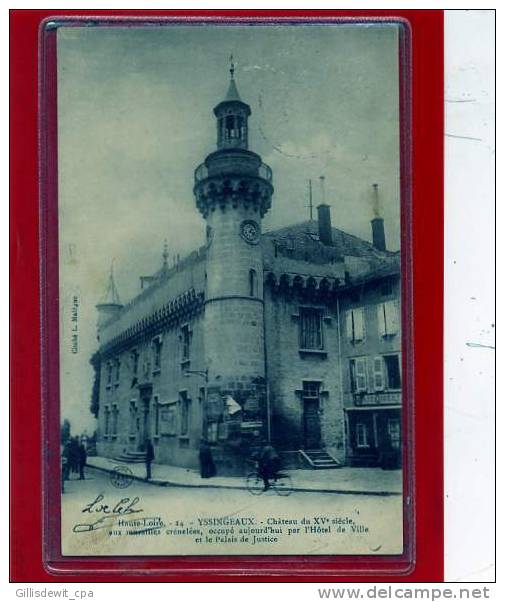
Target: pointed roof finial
pixel 232 67
pixel 232 93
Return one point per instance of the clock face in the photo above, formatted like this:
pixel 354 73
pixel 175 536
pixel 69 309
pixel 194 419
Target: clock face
pixel 250 231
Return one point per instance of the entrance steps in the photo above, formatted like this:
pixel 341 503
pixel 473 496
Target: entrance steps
pixel 131 457
pixel 318 459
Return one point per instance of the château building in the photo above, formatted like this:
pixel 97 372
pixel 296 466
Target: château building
pixel 291 335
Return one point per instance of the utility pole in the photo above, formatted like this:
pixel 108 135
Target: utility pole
pixel 310 205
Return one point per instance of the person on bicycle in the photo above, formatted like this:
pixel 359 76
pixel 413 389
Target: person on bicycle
pixel 269 464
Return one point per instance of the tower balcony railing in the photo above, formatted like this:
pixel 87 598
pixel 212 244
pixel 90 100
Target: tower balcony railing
pixel 202 172
pixel 265 172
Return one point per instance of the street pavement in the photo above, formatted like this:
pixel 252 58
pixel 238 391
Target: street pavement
pixel 365 481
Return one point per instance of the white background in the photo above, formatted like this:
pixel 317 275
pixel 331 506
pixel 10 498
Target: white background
pixel 469 292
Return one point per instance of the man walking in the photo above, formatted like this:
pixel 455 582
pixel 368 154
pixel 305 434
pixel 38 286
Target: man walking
pixel 149 458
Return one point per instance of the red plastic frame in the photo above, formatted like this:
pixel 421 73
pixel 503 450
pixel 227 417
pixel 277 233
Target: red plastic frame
pixel 424 280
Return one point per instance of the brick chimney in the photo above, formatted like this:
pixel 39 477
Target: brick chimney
pixel 378 235
pixel 324 217
pixel 324 222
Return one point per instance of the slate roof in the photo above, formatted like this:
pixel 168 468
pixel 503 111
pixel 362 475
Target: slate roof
pixel 232 93
pixel 296 242
pixel 301 242
pixel 304 234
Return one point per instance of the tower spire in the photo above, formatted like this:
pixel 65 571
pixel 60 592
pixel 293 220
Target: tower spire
pixel 111 296
pixel 232 94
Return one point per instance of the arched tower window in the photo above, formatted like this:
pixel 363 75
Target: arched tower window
pixel 229 127
pixel 253 283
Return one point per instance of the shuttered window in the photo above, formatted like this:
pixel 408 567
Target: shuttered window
pixel 358 374
pixel 355 325
pixel 388 318
pixel 378 373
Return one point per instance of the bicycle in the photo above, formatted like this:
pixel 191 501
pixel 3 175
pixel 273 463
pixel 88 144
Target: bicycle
pixel 281 483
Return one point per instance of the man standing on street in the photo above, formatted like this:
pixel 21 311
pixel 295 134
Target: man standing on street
pixel 82 457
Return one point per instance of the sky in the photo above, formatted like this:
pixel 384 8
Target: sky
pixel 135 119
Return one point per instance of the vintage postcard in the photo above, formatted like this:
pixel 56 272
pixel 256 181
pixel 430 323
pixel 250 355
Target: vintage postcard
pixel 230 289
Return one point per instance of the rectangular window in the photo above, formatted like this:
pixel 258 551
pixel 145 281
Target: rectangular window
pixel 115 415
pixel 118 372
pixel 157 345
pixel 378 373
pixel 357 368
pixel 355 325
pixel 186 342
pixel 387 316
pixel 393 372
pixel 156 404
pixel 253 283
pixel 135 362
pixel 311 390
pixel 133 418
pixel 109 373
pixel 394 432
pixel 168 419
pixel 362 435
pixel 185 413
pixel 311 328
pixel 107 421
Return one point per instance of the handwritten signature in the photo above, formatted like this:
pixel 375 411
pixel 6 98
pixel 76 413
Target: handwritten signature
pixel 110 512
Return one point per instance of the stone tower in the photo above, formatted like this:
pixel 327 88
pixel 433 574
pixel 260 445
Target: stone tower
pixel 233 191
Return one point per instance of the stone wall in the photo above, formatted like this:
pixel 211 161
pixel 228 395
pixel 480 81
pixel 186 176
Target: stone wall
pixel 167 385
pixel 288 367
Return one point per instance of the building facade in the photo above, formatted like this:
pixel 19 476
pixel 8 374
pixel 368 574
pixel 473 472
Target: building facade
pixel 291 335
